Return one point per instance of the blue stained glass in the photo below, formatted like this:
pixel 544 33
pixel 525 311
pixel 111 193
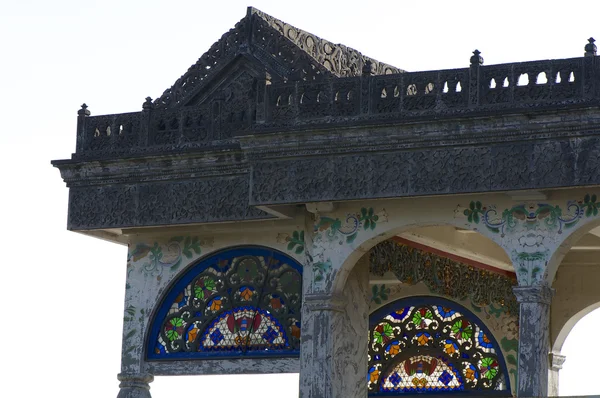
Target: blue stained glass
pixel 216 336
pixel 270 335
pixel 181 300
pixel 437 361
pixel 445 311
pixel 160 349
pixel 244 324
pixel 445 377
pixel 221 323
pixel 395 379
pixel 484 341
pixel 400 314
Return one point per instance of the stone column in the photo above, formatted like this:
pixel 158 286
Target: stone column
pixel 556 362
pixel 333 354
pixel 134 385
pixel 534 344
pixel 133 377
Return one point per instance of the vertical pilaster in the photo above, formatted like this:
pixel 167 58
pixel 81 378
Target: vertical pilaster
pixel 333 354
pixel 534 344
pixel 133 377
pixel 556 362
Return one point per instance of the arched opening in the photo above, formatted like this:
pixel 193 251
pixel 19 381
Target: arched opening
pixel 452 265
pixel 575 275
pixel 578 353
pixel 427 344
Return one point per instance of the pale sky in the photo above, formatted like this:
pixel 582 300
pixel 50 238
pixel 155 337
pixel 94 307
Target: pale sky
pixel 62 292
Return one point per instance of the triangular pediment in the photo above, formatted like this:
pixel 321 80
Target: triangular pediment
pixel 277 50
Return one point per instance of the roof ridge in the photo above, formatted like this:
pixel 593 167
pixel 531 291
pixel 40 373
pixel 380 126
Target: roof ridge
pixel 319 49
pixel 277 43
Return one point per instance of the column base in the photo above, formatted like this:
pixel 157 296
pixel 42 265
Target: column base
pixel 134 385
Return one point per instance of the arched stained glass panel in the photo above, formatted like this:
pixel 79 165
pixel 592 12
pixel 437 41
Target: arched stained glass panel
pixel 242 302
pixel 429 345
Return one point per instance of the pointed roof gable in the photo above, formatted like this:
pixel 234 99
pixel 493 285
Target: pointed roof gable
pixel 286 52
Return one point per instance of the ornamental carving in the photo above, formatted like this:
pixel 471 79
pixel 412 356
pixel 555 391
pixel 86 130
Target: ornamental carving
pixel 241 302
pixel 444 276
pixel 287 52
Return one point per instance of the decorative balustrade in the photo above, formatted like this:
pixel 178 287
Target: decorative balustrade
pixel 363 100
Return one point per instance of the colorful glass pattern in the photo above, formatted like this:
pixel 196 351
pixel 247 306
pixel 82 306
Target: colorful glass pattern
pixel 420 347
pixel 235 303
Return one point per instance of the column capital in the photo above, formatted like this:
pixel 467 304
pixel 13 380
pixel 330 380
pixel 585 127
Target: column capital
pixel 134 385
pixel 534 294
pixel 556 361
pixel 323 302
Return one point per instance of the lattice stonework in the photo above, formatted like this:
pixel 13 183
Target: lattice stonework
pixel 428 344
pixel 243 302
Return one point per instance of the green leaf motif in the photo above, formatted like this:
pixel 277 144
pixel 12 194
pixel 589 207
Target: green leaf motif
pixel 387 330
pixel 509 345
pixel 172 335
pixel 209 284
pixel 379 293
pixel 511 359
pixel 473 212
pixel 296 242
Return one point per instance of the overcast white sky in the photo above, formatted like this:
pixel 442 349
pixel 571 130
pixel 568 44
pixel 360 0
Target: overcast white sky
pixel 62 293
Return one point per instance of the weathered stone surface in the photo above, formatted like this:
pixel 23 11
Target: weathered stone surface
pixel 333 355
pixel 224 366
pixel 160 203
pixel 534 345
pixel 134 385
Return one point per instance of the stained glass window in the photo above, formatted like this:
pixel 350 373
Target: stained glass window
pixel 428 345
pixel 239 302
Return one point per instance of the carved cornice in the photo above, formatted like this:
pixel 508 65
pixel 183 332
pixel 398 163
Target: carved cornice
pixel 323 302
pixel 556 361
pixel 541 294
pixel 184 166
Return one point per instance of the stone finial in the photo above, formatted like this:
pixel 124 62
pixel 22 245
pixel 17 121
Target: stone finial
pixel 476 59
pixel 590 48
pixel 148 104
pixel 83 111
pixel 368 68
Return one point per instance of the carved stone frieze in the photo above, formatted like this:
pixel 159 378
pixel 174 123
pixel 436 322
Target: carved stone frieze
pixel 160 203
pixel 444 276
pixel 426 171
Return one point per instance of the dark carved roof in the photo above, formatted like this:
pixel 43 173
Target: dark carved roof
pixel 288 53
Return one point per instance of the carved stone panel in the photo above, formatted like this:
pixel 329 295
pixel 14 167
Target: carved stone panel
pixel 160 203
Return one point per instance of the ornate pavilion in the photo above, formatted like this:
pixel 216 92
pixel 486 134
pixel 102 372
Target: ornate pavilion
pixel 291 205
